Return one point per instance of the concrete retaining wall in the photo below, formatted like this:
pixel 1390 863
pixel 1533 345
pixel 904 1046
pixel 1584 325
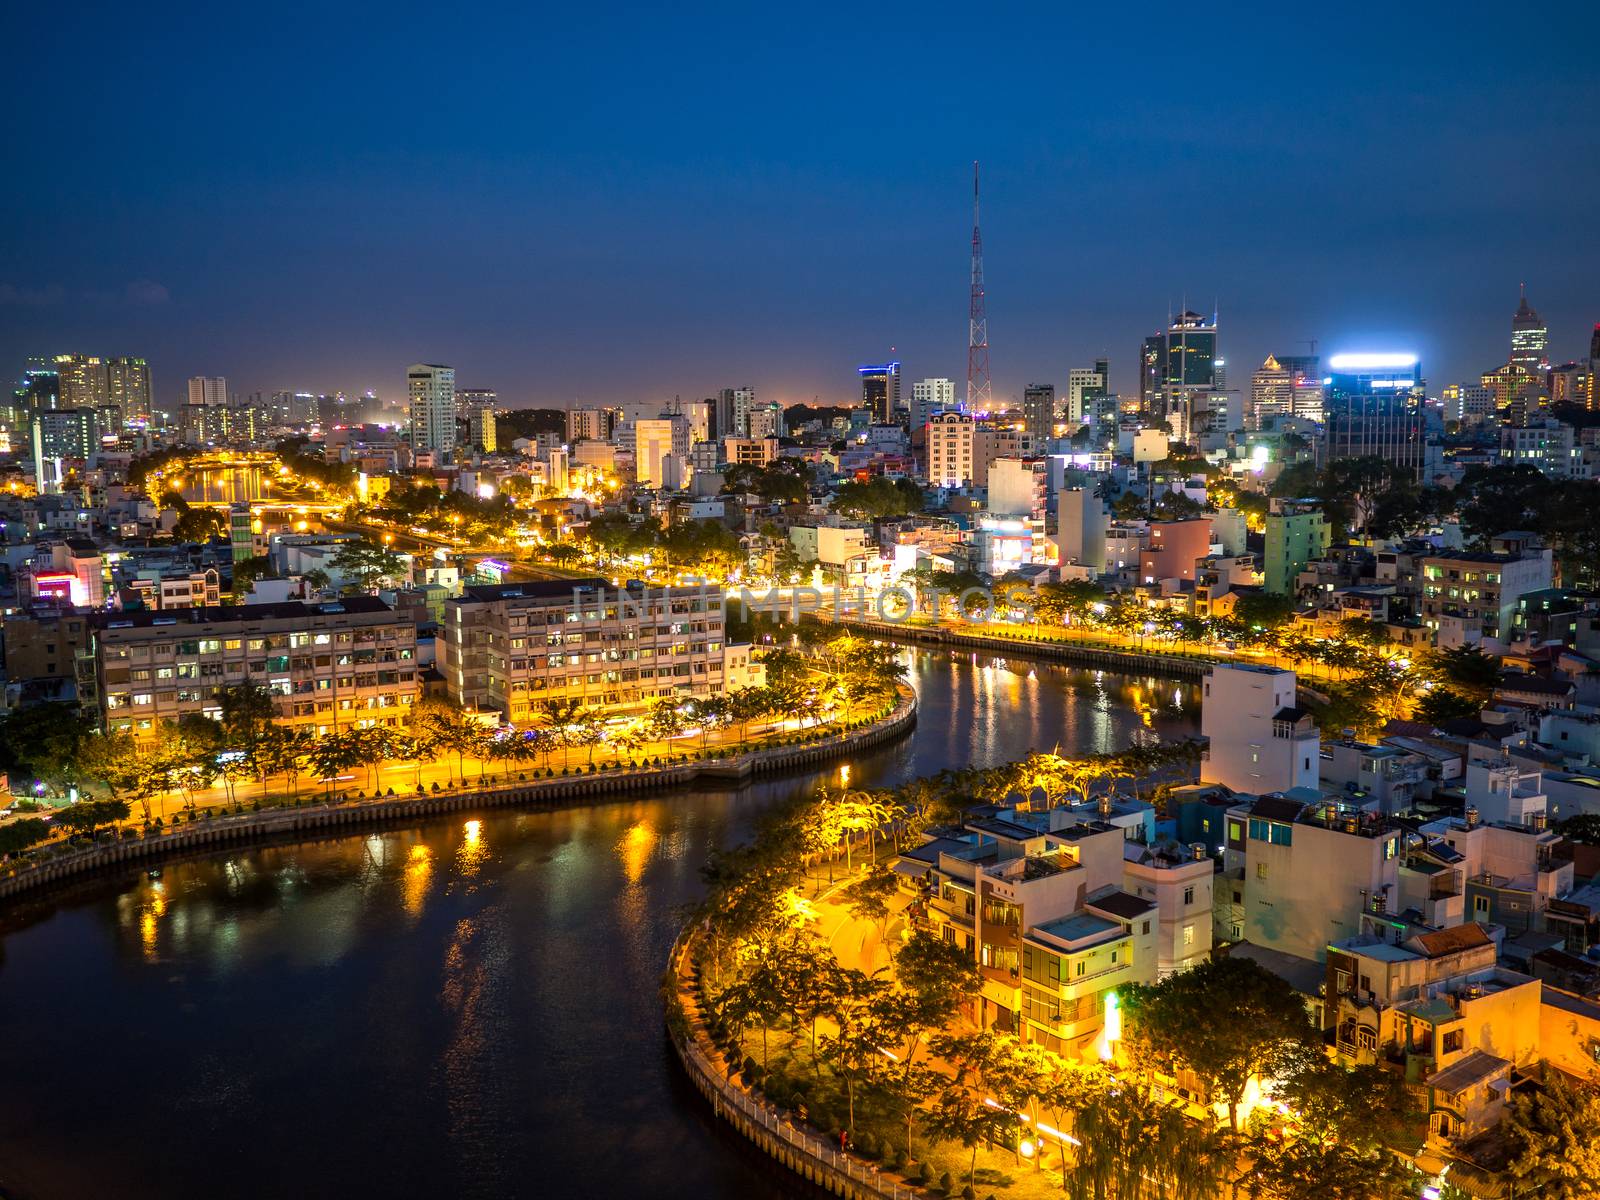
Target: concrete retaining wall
pixel 1122 661
pixel 136 846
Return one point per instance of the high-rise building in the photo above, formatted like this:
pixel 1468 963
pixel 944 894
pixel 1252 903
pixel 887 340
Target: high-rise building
pixel 1152 370
pixel 203 390
pixel 699 415
pixel 766 421
pixel 950 449
pixel 468 399
pixel 655 439
pixel 1373 408
pixel 431 389
pixel 1183 359
pixel 1039 411
pixel 593 424
pixel 85 381
pixel 733 412
pixel 1271 393
pixel 1086 386
pixel 880 391
pixel 929 396
pixel 127 390
pixel 1528 339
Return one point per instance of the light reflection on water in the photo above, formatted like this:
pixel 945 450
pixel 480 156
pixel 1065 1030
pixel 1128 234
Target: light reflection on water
pixel 466 1008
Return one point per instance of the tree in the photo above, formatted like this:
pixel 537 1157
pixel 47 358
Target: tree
pixel 247 572
pixel 1299 1169
pixel 247 713
pixel 1441 704
pixel 17 836
pixel 963 1112
pixel 1552 1134
pixel 43 742
pixel 1367 1107
pixel 868 897
pixel 878 499
pixel 366 564
pixel 1176 1021
pixel 199 525
pixel 86 816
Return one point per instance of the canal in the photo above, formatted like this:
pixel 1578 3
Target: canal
pixel 464 1009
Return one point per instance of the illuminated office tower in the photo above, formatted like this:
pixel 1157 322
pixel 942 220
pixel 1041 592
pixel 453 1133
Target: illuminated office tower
pixel 1271 393
pixel 1373 408
pixel 1179 362
pixel 880 391
pixel 203 390
pixel 1528 340
pixel 475 406
pixel 431 389
pixel 951 445
pixel 127 390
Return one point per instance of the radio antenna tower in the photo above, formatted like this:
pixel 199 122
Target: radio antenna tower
pixel 979 394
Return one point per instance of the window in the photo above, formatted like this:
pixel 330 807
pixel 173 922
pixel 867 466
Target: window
pixel 1451 1043
pixel 1261 870
pixel 1188 935
pixel 1082 967
pixel 1480 906
pixel 1188 895
pixel 1144 927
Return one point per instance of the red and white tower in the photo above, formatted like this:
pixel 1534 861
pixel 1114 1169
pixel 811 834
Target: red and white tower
pixel 979 393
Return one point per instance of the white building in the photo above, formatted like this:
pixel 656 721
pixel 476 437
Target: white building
pixel 1019 487
pixel 1081 528
pixel 1260 739
pixel 930 396
pixel 431 390
pixel 1179 885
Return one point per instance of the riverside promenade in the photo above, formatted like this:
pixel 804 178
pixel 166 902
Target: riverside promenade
pixel 64 863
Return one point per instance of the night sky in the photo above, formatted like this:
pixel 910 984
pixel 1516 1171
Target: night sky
pixel 580 202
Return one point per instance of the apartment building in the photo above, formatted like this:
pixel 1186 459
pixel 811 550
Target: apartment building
pixel 950 450
pixel 1307 872
pixel 1259 740
pixel 510 647
pixel 1482 586
pixel 328 666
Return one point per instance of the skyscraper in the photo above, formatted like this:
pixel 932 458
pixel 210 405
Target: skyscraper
pixel 1039 411
pixel 1178 362
pixel 1373 407
pixel 85 382
pixel 1271 393
pixel 127 391
pixel 203 390
pixel 660 449
pixel 431 389
pixel 1528 339
pixel 880 390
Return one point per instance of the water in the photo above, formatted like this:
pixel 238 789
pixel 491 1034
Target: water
pixel 224 485
pixel 464 1009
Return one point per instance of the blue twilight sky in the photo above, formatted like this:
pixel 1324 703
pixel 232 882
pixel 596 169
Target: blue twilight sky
pixel 600 203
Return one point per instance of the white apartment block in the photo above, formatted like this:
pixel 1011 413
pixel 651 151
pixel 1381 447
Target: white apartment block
pixel 431 391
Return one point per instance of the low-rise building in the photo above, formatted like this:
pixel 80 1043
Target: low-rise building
pixel 510 647
pixel 329 666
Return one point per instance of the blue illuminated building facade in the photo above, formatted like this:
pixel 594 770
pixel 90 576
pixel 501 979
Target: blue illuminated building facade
pixel 1373 408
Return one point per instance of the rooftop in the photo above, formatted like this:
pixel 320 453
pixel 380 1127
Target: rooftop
pixel 1078 927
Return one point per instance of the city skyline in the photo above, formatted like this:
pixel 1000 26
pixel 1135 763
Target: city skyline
pixel 609 229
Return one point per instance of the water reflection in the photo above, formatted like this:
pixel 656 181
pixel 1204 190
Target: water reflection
pixel 484 989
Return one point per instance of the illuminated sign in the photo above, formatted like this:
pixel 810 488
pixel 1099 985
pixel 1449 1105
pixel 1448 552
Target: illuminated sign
pixel 1371 362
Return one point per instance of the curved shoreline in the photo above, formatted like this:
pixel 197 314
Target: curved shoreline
pixel 277 824
pixel 755 1118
